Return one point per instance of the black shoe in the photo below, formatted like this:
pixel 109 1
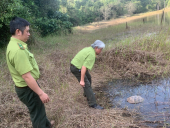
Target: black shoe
pixel 96 106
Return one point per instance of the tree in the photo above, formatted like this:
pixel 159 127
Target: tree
pixel 118 8
pixel 130 7
pixel 106 11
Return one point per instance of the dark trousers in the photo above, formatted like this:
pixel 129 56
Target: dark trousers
pixel 35 106
pixel 88 92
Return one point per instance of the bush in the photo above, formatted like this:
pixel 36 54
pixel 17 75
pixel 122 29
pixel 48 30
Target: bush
pixel 5 35
pixel 56 25
pixel 9 9
pixel 47 21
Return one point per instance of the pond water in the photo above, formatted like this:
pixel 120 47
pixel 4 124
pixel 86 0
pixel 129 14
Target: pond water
pixel 156 104
pixel 161 18
pixel 155 109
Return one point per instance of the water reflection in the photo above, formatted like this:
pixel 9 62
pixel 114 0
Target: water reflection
pixel 156 104
pixel 164 17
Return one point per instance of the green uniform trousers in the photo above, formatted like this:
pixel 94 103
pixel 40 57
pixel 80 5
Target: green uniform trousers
pixel 35 106
pixel 88 92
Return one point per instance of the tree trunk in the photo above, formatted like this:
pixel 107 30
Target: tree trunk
pixel 162 17
pixel 157 6
pixel 126 26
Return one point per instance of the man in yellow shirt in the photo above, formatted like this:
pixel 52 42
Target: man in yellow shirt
pixel 24 71
pixel 80 64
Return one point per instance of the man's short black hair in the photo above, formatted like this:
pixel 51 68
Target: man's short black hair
pixel 18 23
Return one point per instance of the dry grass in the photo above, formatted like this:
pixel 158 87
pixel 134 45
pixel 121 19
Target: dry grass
pixel 143 59
pixel 67 105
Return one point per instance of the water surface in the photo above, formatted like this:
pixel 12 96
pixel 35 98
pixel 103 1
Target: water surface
pixel 156 104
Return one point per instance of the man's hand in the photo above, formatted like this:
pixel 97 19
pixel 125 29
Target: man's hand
pixel 82 83
pixel 83 71
pixel 34 86
pixel 44 97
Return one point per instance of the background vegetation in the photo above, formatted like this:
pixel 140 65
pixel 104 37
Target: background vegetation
pixel 58 16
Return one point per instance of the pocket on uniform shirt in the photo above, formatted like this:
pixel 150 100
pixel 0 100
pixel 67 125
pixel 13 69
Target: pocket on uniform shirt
pixel 31 59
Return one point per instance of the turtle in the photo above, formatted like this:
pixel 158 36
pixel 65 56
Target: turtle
pixel 135 99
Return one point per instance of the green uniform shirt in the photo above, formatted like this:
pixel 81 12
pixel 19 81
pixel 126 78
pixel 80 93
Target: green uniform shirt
pixel 20 61
pixel 85 57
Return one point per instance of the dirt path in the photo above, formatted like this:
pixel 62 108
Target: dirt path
pixel 103 24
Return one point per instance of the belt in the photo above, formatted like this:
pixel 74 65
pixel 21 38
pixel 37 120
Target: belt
pixel 21 87
pixel 75 67
pixel 72 65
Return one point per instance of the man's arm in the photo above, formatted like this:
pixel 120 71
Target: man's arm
pixel 34 86
pixel 83 71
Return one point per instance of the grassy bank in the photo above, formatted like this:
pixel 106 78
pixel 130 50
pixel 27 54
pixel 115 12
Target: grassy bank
pixel 140 52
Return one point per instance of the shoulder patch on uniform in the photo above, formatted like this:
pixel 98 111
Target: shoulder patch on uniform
pixel 20 46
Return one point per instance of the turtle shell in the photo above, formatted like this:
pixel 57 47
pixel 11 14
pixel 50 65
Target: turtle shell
pixel 135 99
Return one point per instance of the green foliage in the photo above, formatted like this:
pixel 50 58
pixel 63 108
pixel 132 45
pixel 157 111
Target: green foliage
pixel 64 2
pixel 9 9
pixel 168 3
pixel 42 14
pixel 47 26
pixel 58 24
pixel 86 11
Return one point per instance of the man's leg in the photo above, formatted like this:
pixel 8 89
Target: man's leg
pixel 35 106
pixel 89 92
pixel 87 89
pixel 88 76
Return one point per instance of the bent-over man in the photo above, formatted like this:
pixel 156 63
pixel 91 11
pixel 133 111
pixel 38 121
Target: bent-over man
pixel 80 64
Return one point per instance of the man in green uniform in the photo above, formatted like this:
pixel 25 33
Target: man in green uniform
pixel 80 64
pixel 24 71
